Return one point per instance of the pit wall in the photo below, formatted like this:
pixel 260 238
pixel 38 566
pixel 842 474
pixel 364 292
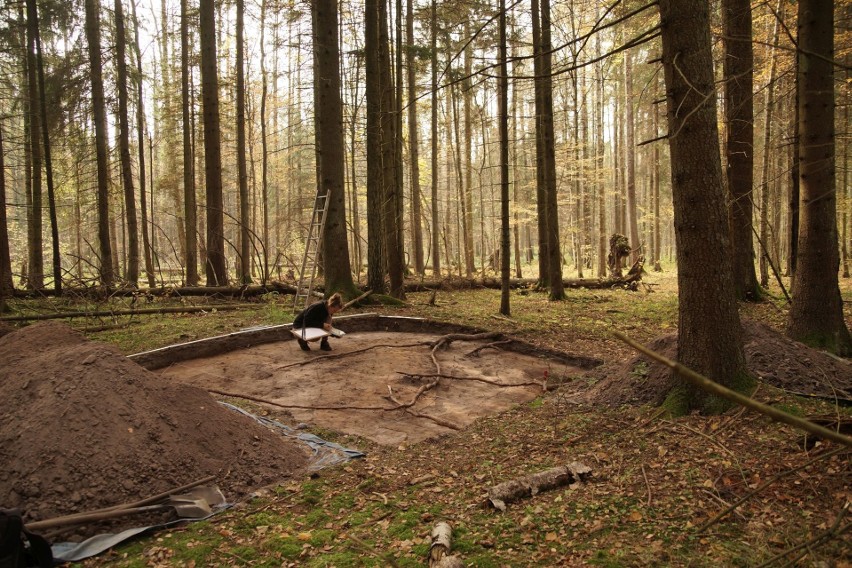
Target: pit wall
pixel 165 356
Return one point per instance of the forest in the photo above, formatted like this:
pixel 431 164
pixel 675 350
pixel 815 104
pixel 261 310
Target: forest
pixel 451 141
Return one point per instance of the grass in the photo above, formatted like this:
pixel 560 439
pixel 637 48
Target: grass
pixel 655 479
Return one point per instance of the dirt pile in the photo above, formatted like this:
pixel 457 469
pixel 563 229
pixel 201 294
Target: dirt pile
pixel 771 357
pixel 83 427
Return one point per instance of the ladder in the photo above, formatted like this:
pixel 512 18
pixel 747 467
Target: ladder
pixel 312 250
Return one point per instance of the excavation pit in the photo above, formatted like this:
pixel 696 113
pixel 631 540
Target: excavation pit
pixel 380 382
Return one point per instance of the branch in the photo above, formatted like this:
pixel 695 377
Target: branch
pixel 713 387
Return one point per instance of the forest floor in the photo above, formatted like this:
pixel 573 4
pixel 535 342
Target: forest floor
pixel 655 481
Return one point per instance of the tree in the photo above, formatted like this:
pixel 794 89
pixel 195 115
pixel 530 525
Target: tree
pixel 709 334
pixel 739 118
pixel 244 268
pixel 6 284
pixel 503 121
pixel 189 202
pixel 816 316
pixel 329 148
pixel 132 275
pixel 436 243
pixel 36 260
pixel 376 262
pixel 413 143
pixel 217 274
pixel 630 159
pixel 93 38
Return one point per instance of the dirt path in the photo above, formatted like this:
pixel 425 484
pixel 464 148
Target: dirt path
pixel 360 382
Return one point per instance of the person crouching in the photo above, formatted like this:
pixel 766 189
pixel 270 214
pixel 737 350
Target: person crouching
pixel 319 315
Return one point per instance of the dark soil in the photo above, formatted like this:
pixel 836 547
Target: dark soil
pixel 83 427
pixel 771 357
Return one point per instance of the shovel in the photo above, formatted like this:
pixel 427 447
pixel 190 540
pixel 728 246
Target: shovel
pixel 198 503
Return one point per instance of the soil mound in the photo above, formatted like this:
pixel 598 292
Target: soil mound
pixel 83 427
pixel 771 357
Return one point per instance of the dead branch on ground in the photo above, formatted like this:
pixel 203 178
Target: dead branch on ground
pixel 475 352
pixel 415 376
pixel 533 484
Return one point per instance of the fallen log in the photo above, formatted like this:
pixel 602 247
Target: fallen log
pixel 166 291
pixel 533 484
pixel 442 543
pixel 130 312
pixel 631 281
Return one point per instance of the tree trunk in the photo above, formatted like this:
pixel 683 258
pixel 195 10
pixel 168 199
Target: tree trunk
pixel 816 316
pixel 503 122
pixel 467 91
pixel 93 37
pixel 217 274
pixel 709 334
pixel 540 187
pixel 739 114
pixel 413 143
pixel 35 239
pixel 132 274
pixel 6 283
pixel 630 158
pixel 767 156
pixel 244 272
pixel 390 161
pixel 554 264
pixel 140 132
pixel 375 184
pixel 189 205
pixel 436 242
pixel 329 148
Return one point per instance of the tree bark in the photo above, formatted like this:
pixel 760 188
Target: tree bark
pixel 6 283
pixel 93 37
pixel 244 272
pixel 329 148
pixel 140 133
pixel 189 201
pixel 630 158
pixel 767 156
pixel 35 238
pixel 816 316
pixel 503 122
pixel 739 115
pixel 436 242
pixel 413 143
pixel 132 274
pixel 217 274
pixel 709 333
pixel 375 185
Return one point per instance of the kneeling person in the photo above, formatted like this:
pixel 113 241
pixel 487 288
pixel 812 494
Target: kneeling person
pixel 318 315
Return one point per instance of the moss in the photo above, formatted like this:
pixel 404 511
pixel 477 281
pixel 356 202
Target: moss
pixel 683 398
pixel 676 402
pixel 386 300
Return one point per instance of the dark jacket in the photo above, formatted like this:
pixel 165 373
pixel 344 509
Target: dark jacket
pixel 314 315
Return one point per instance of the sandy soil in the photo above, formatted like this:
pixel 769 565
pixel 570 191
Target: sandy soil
pixel 349 391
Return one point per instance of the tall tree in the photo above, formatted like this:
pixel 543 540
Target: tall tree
pixel 503 122
pixel 48 162
pixel 329 148
pixel 6 284
pixel 140 133
pixel 413 142
pixel 540 191
pixel 35 240
pixel 554 254
pixel 436 243
pixel 217 273
pixel 93 38
pixel 739 116
pixel 189 201
pixel 244 272
pixel 630 158
pixel 709 334
pixel 376 262
pixel 132 275
pixel 816 316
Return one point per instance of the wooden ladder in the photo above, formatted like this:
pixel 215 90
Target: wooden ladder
pixel 312 251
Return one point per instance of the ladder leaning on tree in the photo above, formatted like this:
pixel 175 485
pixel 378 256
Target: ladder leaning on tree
pixel 312 252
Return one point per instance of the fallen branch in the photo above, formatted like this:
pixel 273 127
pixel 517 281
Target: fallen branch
pixel 442 543
pixel 356 300
pixel 140 311
pixel 436 420
pixel 712 387
pixel 299 406
pixel 348 353
pixel 475 352
pixel 826 535
pixel 764 485
pixel 532 485
pixel 415 376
